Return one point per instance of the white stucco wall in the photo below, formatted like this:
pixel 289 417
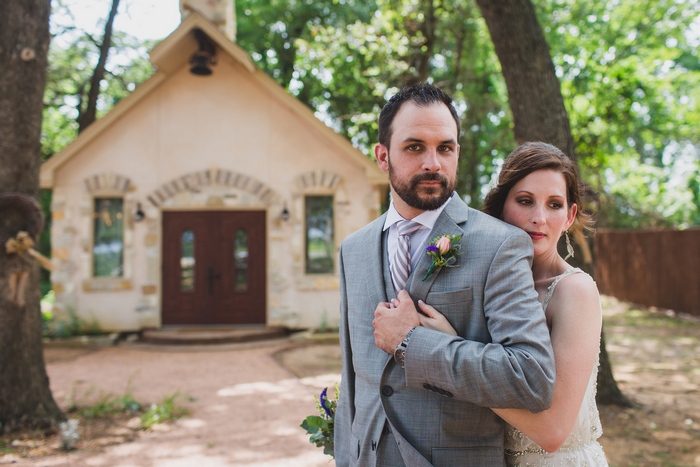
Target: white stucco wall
pixel 227 123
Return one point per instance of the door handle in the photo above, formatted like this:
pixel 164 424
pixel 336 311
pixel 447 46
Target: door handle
pixel 210 279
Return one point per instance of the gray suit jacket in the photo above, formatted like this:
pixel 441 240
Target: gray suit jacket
pixel 438 406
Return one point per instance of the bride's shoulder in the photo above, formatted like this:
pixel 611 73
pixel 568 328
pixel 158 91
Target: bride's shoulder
pixel 576 281
pixel 576 292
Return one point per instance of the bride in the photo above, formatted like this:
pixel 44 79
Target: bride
pixel 538 191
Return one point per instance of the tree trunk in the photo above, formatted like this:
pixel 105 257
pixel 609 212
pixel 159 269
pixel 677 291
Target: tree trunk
pixel 534 95
pixel 608 392
pixel 87 115
pixel 25 397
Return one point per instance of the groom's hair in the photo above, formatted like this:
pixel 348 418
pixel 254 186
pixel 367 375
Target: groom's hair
pixel 421 94
pixel 531 157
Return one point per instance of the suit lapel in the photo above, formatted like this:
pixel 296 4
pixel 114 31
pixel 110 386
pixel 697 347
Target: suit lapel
pixel 375 268
pixel 447 224
pixel 388 283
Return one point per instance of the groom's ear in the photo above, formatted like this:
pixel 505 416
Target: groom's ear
pixel 381 153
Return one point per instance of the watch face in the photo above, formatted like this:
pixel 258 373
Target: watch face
pixel 400 355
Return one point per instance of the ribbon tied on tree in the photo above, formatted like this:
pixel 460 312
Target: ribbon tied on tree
pixel 23 243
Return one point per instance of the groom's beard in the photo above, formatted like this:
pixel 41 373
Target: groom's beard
pixel 423 198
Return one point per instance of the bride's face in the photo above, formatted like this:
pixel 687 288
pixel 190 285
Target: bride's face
pixel 538 205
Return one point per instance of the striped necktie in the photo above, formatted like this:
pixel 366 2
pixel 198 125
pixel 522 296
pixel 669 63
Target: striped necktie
pixel 401 264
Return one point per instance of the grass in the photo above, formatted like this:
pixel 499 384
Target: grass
pixel 110 405
pixel 649 318
pixel 5 446
pixel 167 410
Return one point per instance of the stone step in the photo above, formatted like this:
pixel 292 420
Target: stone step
pixel 205 336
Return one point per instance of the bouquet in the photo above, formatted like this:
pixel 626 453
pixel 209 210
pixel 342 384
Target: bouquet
pixel 320 427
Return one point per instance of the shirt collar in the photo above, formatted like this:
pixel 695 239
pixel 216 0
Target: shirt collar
pixel 427 218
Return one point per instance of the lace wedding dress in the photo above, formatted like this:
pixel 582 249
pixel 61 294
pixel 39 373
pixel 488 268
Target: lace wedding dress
pixel 581 448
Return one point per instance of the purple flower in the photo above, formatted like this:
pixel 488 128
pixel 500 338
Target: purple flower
pixel 323 398
pixel 431 249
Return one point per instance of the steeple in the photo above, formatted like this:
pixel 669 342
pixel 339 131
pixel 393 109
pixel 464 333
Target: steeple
pixel 220 12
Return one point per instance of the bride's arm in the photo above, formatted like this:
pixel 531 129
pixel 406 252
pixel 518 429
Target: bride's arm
pixel 576 322
pixel 433 319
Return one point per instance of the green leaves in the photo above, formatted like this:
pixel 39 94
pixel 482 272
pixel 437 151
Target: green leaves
pixel 73 54
pixel 629 75
pixel 320 427
pixel 320 431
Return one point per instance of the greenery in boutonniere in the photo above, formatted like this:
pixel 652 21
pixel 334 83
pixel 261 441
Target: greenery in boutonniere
pixel 320 427
pixel 443 250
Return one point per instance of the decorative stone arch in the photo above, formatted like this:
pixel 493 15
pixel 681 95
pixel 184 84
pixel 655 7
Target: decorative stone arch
pixel 318 179
pixel 107 182
pixel 194 182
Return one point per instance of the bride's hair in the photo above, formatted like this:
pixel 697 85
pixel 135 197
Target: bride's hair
pixel 531 157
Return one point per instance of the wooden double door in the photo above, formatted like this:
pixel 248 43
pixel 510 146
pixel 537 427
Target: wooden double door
pixel 214 267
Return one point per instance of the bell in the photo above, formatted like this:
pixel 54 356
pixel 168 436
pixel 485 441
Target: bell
pixel 200 62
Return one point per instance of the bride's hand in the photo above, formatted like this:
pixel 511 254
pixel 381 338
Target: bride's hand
pixel 433 319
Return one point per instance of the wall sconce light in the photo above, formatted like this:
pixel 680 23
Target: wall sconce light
pixel 205 57
pixel 284 215
pixel 139 215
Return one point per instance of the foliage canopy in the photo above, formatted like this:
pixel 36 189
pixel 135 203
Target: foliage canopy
pixel 629 74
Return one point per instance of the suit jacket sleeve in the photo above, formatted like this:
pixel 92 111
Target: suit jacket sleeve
pixel 516 368
pixel 345 411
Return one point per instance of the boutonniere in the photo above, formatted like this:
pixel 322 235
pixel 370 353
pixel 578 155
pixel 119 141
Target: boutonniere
pixel 443 250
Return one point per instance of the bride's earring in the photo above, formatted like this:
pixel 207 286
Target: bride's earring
pixel 569 248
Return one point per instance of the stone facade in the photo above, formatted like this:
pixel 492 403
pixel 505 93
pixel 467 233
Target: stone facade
pixel 230 141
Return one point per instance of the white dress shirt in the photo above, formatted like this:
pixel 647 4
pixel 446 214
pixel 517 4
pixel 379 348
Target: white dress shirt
pixel 419 238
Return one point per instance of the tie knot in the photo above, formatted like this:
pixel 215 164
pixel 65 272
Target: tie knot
pixel 407 227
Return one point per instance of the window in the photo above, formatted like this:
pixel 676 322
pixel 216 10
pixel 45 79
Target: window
pixel 320 245
pixel 108 238
pixel 240 253
pixel 187 261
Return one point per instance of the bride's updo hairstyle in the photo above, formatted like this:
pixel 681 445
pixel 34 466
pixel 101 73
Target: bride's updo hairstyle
pixel 531 157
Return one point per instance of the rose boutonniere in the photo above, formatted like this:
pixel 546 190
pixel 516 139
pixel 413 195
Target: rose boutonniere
pixel 443 250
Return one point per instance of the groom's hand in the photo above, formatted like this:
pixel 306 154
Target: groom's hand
pixel 392 321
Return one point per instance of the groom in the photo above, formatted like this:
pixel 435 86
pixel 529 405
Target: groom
pixel 410 395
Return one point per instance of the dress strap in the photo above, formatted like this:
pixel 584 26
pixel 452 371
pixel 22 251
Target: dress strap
pixel 550 289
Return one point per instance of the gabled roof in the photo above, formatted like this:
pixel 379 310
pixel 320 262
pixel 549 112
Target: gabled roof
pixel 171 55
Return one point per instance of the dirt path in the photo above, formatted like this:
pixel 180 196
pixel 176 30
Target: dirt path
pixel 245 408
pixel 246 403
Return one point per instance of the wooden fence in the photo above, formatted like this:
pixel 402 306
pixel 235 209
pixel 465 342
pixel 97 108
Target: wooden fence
pixel 650 267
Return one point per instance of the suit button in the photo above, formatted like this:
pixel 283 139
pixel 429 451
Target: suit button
pixel 387 391
pixel 427 386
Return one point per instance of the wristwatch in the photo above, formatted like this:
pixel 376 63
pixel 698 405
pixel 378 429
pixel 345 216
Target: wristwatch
pixel 400 351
